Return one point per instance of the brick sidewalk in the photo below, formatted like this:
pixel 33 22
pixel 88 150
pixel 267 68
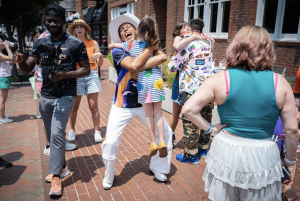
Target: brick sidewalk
pixel 132 182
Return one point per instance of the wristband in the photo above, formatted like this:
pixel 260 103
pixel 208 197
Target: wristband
pixel 213 134
pixel 288 162
pixel 209 130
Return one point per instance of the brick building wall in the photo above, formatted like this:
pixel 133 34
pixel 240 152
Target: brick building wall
pixel 242 13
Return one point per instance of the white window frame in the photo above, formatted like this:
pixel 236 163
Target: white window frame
pixel 277 35
pixel 115 12
pixel 206 16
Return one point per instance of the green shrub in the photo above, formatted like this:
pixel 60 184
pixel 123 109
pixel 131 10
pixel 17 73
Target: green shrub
pixel 14 79
pixel 110 58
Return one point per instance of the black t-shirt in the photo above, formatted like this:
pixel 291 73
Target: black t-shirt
pixel 73 51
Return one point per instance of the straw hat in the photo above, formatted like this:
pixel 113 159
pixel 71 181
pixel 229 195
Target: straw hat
pixel 77 22
pixel 116 23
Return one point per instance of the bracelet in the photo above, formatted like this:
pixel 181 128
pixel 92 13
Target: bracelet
pixel 288 162
pixel 209 130
pixel 213 134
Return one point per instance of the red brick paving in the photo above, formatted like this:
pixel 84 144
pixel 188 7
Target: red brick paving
pixel 25 181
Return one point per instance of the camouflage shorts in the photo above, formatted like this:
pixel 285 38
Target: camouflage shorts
pixel 192 138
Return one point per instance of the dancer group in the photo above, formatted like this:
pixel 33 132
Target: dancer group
pixel 243 163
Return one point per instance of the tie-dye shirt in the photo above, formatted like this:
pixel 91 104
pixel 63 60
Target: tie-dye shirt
pixel 126 95
pixel 194 65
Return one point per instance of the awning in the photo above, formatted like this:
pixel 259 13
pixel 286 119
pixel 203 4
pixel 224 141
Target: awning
pixel 97 14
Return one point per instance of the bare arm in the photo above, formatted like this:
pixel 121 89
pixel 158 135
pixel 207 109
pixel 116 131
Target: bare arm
pixel 97 56
pixel 9 56
pixel 134 64
pixel 179 43
pixel 158 58
pixel 115 45
pixel 25 66
pixel 211 39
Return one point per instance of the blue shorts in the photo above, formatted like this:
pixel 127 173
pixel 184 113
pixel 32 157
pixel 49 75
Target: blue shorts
pixel 175 90
pixel 89 84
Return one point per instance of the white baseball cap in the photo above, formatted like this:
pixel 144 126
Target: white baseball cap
pixel 117 22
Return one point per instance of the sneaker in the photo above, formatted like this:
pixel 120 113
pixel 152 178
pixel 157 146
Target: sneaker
pixel 5 164
pixel 187 158
pixel 71 137
pixel 98 137
pixel 106 186
pixel 65 172
pixel 38 116
pixel 5 121
pixel 7 116
pixel 159 176
pixel 56 188
pixel 202 152
pixel 47 151
pixel 70 146
pixel 173 141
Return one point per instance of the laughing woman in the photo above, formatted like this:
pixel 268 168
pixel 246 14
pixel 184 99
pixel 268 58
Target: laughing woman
pixel 89 85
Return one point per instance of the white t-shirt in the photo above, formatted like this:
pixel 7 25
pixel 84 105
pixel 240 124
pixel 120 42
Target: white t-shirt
pixel 5 68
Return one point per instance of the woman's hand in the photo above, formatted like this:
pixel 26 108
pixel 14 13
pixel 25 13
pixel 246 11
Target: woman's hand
pixel 6 44
pixel 95 56
pixel 219 127
pixel 200 37
pixel 291 171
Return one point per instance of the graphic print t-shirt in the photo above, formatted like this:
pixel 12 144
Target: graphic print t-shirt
pixel 126 95
pixel 73 51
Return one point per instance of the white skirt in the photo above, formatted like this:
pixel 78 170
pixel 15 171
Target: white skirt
pixel 243 169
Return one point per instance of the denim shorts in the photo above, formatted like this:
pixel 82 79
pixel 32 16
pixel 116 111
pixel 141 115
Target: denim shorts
pixel 89 84
pixel 175 90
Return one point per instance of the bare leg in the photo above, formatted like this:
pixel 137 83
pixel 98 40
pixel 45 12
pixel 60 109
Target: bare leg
pixel 175 115
pixel 73 115
pixel 148 107
pixel 3 98
pixel 93 104
pixel 159 120
pixel 37 106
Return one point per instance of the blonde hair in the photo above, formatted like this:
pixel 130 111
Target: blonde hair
pixel 87 35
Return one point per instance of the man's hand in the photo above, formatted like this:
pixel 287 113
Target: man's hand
pixel 18 57
pixel 59 75
pixel 95 56
pixel 289 193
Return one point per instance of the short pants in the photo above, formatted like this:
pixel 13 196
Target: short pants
pixel 175 90
pixel 5 82
pixel 89 84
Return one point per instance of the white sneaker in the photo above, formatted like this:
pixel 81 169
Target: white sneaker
pixel 70 146
pixel 38 116
pixel 5 121
pixel 97 136
pixel 106 185
pixel 159 176
pixel 7 116
pixel 71 136
pixel 47 151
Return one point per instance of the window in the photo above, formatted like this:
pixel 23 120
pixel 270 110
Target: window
pixel 117 11
pixel 215 14
pixel 280 18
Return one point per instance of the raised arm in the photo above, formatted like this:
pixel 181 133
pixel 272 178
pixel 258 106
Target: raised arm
pixel 9 56
pixel 134 64
pixel 158 58
pixel 115 45
pixel 179 43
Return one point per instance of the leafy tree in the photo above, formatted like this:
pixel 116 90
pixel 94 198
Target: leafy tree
pixel 24 15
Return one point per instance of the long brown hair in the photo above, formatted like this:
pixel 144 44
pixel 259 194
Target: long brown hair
pixel 251 49
pixel 178 28
pixel 147 32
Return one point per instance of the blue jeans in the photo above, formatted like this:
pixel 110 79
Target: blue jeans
pixel 175 90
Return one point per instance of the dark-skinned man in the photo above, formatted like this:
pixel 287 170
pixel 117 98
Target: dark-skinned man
pixel 55 109
pixel 125 104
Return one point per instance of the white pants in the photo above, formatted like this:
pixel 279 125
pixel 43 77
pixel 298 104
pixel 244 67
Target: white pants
pixel 118 119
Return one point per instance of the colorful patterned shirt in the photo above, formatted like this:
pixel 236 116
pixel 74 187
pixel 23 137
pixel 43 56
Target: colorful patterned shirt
pixel 126 95
pixel 194 65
